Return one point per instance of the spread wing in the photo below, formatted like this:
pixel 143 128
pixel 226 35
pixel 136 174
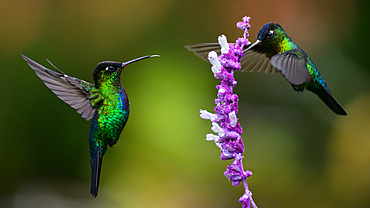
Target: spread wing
pixel 292 66
pixel 79 94
pixel 254 60
pixel 202 49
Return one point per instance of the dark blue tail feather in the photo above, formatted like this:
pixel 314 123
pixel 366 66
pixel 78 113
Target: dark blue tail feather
pixel 96 162
pixel 326 96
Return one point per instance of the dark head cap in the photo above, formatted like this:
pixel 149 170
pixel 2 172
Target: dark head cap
pixel 269 34
pixel 268 31
pixel 107 67
pixel 112 68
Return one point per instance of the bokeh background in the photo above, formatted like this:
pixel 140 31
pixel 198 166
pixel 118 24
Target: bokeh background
pixel 301 153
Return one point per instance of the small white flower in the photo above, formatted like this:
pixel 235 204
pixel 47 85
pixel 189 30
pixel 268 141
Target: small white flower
pixel 223 43
pixel 233 118
pixel 215 138
pixel 212 137
pixel 213 59
pixel 207 115
pixel 221 90
pixel 217 129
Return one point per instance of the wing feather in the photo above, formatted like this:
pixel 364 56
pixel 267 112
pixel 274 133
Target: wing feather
pixel 252 59
pixel 292 66
pixel 72 91
pixel 202 49
pixel 255 59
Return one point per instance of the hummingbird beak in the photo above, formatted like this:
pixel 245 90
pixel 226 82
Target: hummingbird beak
pixel 138 59
pixel 254 44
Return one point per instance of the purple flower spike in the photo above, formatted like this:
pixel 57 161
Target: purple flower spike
pixel 225 122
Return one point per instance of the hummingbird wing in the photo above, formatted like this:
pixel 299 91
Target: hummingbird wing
pixel 75 92
pixel 292 65
pixel 257 59
pixel 202 49
pixel 254 60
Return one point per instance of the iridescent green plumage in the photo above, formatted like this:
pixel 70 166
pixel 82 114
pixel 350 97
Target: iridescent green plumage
pixel 274 51
pixel 105 102
pixel 110 118
pixel 293 63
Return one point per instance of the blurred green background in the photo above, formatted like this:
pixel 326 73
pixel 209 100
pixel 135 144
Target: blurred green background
pixel 301 153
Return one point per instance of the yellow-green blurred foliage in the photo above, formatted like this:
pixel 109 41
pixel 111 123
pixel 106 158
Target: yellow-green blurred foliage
pixel 301 153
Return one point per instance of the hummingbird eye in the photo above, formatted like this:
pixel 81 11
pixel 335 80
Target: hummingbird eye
pixel 110 68
pixel 270 34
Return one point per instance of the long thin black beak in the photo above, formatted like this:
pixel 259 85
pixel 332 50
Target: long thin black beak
pixel 138 59
pixel 254 44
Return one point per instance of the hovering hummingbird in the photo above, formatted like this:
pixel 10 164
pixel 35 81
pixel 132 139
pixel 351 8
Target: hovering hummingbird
pixel 105 102
pixel 274 51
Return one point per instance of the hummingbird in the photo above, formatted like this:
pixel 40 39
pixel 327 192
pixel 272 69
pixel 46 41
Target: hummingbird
pixel 105 102
pixel 273 52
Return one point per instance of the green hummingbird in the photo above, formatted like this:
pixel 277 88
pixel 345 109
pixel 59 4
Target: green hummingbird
pixel 274 51
pixel 105 102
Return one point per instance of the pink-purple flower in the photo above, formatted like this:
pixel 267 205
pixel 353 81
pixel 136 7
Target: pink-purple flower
pixel 225 122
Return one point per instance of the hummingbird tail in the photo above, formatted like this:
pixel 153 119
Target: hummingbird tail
pixel 96 162
pixel 326 96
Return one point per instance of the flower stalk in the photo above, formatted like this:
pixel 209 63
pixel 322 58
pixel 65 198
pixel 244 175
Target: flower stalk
pixel 225 122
